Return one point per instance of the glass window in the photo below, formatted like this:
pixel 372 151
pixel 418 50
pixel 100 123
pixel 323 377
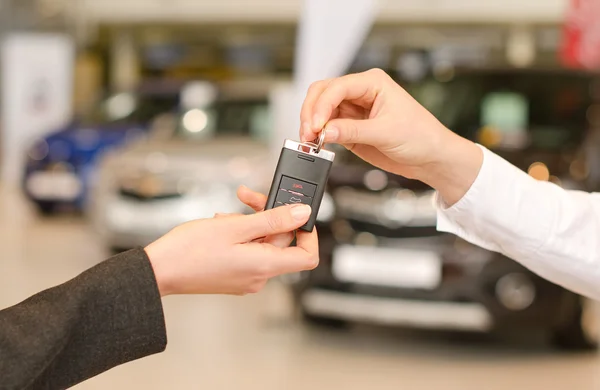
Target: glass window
pixel 522 109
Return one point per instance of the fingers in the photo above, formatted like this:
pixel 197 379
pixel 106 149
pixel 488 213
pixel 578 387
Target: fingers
pixel 304 256
pixel 361 88
pixel 282 240
pixel 257 202
pixel 282 219
pixel 308 241
pixel 253 199
pixel 353 131
pixel 306 112
pixel 225 215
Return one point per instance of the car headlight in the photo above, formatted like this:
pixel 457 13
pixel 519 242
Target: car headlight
pixel 327 209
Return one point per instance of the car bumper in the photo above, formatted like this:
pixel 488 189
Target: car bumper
pixel 398 312
pixel 462 296
pixel 55 187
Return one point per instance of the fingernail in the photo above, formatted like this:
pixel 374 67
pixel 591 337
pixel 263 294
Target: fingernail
pixel 300 212
pixel 318 122
pixel 331 134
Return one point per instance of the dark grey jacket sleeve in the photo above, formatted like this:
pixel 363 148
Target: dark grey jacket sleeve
pixel 108 315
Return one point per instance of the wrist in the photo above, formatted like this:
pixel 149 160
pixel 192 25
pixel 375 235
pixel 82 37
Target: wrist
pixel 159 259
pixel 454 168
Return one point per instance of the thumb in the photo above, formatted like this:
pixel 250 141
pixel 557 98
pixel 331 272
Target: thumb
pixel 281 219
pixel 353 131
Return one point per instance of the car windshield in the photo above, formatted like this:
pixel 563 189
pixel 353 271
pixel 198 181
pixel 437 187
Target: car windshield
pixel 507 110
pixel 225 119
pixel 512 110
pixel 130 109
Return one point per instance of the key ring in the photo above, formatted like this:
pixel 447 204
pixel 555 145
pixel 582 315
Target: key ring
pixel 321 141
pixel 317 144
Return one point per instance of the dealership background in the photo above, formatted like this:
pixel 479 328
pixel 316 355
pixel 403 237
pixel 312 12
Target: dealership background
pixel 122 119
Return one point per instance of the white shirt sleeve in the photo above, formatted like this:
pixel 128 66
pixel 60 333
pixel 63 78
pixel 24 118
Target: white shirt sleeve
pixel 551 231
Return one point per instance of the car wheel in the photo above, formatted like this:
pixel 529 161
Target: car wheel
pixel 324 322
pixel 582 331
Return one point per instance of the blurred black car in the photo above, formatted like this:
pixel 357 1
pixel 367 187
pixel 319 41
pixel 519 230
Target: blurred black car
pixel 382 259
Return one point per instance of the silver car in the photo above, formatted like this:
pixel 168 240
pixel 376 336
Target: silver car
pixel 189 169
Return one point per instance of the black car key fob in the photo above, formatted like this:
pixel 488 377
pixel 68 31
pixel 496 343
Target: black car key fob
pixel 301 176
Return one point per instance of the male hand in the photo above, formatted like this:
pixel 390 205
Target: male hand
pixel 233 254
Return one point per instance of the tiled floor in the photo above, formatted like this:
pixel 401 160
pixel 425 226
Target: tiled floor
pixel 236 343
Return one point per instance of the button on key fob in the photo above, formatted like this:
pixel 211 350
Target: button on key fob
pixel 301 176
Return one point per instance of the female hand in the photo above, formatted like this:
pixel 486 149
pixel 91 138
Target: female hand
pixel 232 254
pixel 379 121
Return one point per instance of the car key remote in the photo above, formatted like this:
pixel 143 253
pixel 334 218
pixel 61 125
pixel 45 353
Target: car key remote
pixel 301 176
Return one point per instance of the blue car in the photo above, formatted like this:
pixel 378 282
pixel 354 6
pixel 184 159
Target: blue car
pixel 60 168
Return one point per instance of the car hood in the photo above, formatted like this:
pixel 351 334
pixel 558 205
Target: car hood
pixel 176 151
pixel 220 160
pixel 84 136
pixel 80 145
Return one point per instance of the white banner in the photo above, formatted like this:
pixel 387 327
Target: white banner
pixel 37 90
pixel 330 33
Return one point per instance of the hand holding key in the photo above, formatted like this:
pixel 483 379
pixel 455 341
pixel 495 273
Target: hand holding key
pixel 381 123
pixel 233 254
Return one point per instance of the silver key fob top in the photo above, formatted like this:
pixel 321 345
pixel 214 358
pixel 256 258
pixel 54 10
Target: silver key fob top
pixel 301 176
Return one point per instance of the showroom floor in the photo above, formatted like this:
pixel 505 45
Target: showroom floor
pixel 250 343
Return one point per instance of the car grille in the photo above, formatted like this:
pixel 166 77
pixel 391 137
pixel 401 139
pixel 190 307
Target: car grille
pixel 402 232
pixel 147 198
pixel 397 209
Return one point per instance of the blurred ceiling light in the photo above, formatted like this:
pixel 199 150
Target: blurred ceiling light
pixel 375 180
pixel 195 120
pixel 520 47
pixel 120 106
pixel 539 171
